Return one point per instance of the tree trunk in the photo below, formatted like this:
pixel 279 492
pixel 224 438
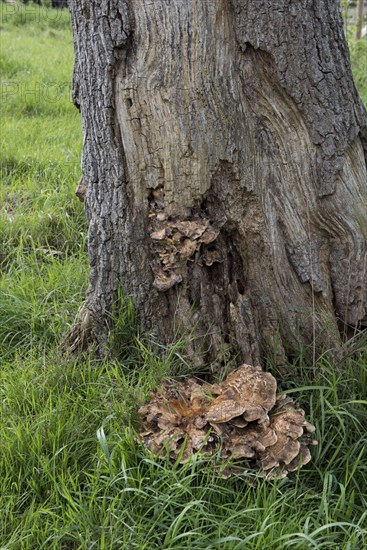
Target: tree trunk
pixel 225 174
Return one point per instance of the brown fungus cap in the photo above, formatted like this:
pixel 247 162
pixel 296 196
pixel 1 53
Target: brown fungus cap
pixel 248 392
pixel 241 417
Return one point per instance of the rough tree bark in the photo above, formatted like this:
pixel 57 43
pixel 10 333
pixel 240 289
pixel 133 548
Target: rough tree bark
pixel 225 173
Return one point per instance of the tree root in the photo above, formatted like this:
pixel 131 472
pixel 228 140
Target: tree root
pixel 88 332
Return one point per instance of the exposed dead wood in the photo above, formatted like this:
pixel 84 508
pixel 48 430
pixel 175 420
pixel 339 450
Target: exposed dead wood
pixel 234 122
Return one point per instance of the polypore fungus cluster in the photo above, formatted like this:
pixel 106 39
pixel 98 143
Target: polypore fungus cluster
pixel 174 241
pixel 241 417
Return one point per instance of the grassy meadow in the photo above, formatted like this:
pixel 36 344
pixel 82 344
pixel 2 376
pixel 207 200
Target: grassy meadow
pixel 72 475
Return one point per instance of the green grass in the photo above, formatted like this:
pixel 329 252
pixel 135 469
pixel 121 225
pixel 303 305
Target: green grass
pixel 74 476
pixel 72 472
pixel 40 135
pixel 358 57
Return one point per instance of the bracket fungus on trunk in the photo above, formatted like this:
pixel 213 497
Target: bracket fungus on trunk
pixel 175 241
pixel 241 417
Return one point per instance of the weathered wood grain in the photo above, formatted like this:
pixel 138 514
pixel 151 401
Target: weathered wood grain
pixel 240 116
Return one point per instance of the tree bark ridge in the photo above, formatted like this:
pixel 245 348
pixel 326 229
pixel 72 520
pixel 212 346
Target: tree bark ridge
pixel 225 170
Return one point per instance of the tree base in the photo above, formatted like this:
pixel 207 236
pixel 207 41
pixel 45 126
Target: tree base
pixel 89 332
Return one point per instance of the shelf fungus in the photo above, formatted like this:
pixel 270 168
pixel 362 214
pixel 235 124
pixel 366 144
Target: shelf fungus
pixel 175 241
pixel 242 418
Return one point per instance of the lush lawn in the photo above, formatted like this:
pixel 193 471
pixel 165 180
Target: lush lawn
pixel 71 472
